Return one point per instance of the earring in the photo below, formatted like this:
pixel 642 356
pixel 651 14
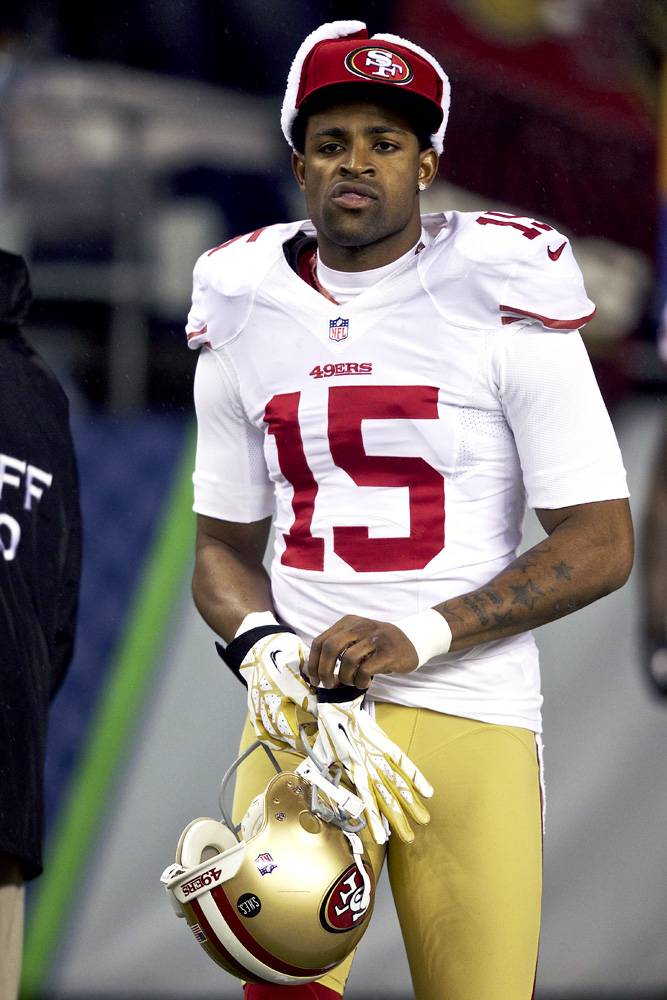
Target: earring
pixel 422 186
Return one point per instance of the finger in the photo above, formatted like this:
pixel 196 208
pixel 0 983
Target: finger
pixel 411 773
pixel 377 659
pixel 319 650
pixel 336 644
pixel 403 765
pixel 365 673
pixel 363 659
pixel 359 779
pixel 392 811
pixel 350 660
pixel 377 738
pixel 402 790
pixel 326 646
pixel 394 653
pixel 415 776
pixel 314 655
pixel 409 800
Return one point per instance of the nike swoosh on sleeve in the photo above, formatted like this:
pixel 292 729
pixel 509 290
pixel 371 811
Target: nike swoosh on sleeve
pixel 555 254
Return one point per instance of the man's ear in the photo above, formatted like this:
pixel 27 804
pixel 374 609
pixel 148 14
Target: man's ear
pixel 428 167
pixel 299 169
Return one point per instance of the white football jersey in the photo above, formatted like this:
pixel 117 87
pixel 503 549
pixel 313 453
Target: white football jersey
pixel 397 438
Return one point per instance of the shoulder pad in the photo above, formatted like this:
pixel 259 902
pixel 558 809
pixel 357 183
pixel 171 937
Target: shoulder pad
pixel 226 279
pixel 500 237
pixel 511 269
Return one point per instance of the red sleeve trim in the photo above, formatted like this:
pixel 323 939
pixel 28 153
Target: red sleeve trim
pixel 251 238
pixel 551 324
pixel 222 246
pixel 197 333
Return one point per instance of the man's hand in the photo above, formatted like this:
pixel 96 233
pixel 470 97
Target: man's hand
pixel 355 649
pixel 269 659
pixel 386 780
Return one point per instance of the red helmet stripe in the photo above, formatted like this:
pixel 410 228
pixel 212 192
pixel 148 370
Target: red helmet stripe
pixel 241 971
pixel 255 949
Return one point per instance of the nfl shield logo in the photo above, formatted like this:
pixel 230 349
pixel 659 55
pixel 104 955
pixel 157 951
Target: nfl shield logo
pixel 339 328
pixel 265 864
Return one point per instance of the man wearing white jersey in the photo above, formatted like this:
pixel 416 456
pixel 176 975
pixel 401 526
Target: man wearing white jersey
pixel 390 390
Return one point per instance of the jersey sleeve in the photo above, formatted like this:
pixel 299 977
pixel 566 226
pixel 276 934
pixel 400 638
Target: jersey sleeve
pixel 196 328
pixel 547 287
pixel 220 300
pixel 564 437
pixel 226 280
pixel 231 480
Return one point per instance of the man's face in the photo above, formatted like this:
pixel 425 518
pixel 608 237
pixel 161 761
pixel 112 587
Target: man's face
pixel 359 172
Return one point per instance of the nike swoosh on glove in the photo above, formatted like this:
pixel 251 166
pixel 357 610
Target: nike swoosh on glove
pixel 268 660
pixel 389 784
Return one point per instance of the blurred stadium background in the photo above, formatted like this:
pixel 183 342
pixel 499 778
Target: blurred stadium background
pixel 133 136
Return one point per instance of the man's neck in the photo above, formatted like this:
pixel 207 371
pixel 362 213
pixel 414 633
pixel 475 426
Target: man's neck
pixel 372 255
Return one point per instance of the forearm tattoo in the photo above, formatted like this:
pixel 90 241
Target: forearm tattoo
pixel 563 571
pixel 537 587
pixel 526 594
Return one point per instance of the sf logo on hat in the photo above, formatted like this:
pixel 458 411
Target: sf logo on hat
pixel 378 64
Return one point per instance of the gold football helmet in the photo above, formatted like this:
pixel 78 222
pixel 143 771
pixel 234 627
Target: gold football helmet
pixel 288 893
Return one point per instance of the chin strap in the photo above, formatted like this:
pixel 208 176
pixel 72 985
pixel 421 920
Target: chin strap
pixel 358 852
pixel 172 872
pixel 346 800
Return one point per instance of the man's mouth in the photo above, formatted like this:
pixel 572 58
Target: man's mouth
pixel 348 195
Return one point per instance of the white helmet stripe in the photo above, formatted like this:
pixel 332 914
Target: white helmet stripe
pixel 214 940
pixel 231 943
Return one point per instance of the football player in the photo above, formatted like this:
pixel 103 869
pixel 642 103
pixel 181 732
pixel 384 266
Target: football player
pixel 390 390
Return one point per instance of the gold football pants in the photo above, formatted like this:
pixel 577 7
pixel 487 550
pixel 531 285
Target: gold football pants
pixel 468 890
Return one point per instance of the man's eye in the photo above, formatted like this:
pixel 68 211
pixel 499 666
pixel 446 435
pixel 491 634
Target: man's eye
pixel 385 146
pixel 330 147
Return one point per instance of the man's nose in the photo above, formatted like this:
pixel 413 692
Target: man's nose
pixel 358 160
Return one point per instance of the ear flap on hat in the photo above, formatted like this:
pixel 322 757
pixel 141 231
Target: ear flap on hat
pixel 333 29
pixel 437 138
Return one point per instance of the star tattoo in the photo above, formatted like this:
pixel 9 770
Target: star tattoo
pixel 504 619
pixel 526 594
pixel 563 571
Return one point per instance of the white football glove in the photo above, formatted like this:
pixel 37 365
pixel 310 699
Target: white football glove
pixel 268 658
pixel 387 781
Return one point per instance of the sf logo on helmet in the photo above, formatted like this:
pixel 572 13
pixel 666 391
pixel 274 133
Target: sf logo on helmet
pixel 343 906
pixel 379 64
pixel 351 899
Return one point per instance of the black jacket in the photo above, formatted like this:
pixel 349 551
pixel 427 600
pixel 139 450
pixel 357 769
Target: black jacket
pixel 40 554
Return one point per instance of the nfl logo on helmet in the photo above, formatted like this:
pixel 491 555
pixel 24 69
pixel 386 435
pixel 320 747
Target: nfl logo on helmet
pixel 338 328
pixel 265 864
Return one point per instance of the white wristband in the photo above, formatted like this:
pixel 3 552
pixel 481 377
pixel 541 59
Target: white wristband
pixel 428 632
pixel 254 620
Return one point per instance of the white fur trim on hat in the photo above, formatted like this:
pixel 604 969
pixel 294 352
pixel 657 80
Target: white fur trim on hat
pixel 334 29
pixel 437 138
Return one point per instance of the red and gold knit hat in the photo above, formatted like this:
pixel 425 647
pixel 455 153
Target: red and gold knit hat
pixel 342 52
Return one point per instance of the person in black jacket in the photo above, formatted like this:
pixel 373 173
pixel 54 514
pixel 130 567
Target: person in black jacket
pixel 40 554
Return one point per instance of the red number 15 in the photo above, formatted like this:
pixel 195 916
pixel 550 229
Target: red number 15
pixel 348 406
